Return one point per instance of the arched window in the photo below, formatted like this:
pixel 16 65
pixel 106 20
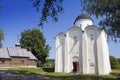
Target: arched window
pixel 80 25
pixel 91 38
pixel 62 41
pixel 91 35
pixel 75 39
pixel 75 59
pixel 3 61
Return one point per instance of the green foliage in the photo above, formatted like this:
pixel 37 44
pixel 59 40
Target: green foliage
pixel 118 60
pixel 109 10
pixel 114 62
pixel 48 8
pixel 48 69
pixel 1 37
pixel 34 41
pixel 39 64
pixel 50 63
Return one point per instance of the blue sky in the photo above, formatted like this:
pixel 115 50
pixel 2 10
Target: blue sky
pixel 19 15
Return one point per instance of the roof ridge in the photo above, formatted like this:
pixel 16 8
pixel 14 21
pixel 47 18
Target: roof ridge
pixel 8 52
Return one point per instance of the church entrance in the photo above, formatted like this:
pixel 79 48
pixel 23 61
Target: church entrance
pixel 75 66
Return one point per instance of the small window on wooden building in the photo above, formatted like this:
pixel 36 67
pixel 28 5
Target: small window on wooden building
pixel 22 61
pixel 2 61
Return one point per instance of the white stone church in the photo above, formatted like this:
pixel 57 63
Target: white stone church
pixel 82 49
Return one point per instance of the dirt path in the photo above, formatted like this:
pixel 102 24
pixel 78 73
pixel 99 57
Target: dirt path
pixel 9 76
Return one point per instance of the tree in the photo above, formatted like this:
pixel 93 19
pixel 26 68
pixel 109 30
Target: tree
pixel 34 41
pixel 48 8
pixel 118 60
pixel 114 62
pixel 109 10
pixel 1 37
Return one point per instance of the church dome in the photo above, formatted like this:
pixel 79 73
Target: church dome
pixel 83 20
pixel 82 16
pixel 17 44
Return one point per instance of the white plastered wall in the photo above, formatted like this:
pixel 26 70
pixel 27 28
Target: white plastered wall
pixel 83 23
pixel 107 68
pixel 91 54
pixel 60 51
pixel 74 49
pixel 87 51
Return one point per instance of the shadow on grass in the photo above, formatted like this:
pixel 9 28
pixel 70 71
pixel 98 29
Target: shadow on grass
pixel 80 77
pixel 22 72
pixel 116 74
pixel 48 69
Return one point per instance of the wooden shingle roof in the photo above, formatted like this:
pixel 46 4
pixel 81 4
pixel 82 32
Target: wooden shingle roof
pixel 4 53
pixel 16 52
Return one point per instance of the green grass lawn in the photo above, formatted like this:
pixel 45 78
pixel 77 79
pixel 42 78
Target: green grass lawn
pixel 48 72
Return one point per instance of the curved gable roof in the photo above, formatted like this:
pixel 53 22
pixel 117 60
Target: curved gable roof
pixel 60 34
pixel 93 27
pixel 72 28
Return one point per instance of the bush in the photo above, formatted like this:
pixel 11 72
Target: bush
pixel 118 60
pixel 114 62
pixel 39 64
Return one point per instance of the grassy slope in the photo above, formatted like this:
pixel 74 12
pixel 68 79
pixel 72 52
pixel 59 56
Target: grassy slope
pixel 61 76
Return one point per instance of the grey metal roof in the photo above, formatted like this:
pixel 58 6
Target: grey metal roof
pixel 4 53
pixel 15 52
pixel 82 16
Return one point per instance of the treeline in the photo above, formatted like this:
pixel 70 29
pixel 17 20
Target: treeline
pixel 50 63
pixel 115 62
